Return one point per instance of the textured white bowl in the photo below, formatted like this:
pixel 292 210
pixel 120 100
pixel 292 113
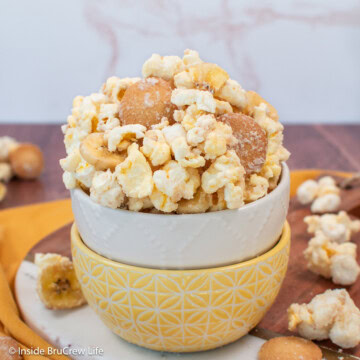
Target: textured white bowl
pixel 183 241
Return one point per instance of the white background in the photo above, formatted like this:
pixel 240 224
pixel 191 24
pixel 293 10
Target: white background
pixel 301 55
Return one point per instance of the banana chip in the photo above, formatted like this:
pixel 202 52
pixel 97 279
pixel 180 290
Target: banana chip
pixel 57 285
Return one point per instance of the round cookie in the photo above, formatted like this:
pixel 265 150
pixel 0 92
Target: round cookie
pixel 289 348
pixel 252 140
pixel 27 161
pixel 9 349
pixel 146 102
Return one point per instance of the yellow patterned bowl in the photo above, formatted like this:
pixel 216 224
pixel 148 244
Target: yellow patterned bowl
pixel 181 310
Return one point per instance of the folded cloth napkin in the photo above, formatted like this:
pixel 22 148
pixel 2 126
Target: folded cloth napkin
pixel 23 227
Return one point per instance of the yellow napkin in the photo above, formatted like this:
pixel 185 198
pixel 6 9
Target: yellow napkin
pixel 23 228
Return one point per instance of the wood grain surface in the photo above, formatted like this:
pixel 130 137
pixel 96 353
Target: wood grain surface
pixel 312 146
pixel 300 285
pixel 315 146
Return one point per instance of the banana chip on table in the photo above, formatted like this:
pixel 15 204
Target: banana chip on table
pixel 57 285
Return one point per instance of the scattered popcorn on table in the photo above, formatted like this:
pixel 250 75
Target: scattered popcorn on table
pixel 6 172
pixel 7 144
pixel 323 194
pixel 337 227
pixel 332 260
pixel 164 143
pixel 331 315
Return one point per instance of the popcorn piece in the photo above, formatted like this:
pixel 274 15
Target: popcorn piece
pixel 337 227
pixel 162 202
pixel 69 180
pixel 120 137
pixel 256 188
pixel 155 148
pixel 7 144
pixel 190 58
pixel 332 315
pixel 6 172
pixel 234 196
pixel 179 115
pixel 204 76
pixel 134 174
pixel 218 201
pixel 203 99
pixel 223 107
pixel 135 204
pixel 326 203
pixel 203 125
pixel 105 190
pixel 73 138
pixel 114 87
pixel 218 140
pixel 84 173
pixel 176 182
pixel 332 260
pixel 161 125
pixel 175 136
pixel 71 162
pixel 323 194
pixel 108 117
pixel 307 191
pixel 200 203
pixel 162 66
pixel 225 169
pixel 254 100
pixel 233 93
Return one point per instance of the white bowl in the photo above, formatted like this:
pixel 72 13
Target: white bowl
pixel 183 241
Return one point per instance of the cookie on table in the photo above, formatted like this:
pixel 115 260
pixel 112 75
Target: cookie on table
pixel 289 348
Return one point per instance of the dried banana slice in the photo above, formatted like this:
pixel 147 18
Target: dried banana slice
pixel 94 150
pixel 254 99
pixel 57 285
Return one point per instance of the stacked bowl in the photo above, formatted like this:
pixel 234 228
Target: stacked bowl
pixel 182 283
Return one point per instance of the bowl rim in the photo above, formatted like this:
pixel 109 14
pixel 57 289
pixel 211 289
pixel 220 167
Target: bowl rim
pixel 283 242
pixel 285 174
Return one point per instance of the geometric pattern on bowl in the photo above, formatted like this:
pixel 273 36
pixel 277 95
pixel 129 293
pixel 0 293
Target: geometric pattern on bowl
pixel 181 310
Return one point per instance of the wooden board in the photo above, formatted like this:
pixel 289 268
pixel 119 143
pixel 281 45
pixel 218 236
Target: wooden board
pixel 300 285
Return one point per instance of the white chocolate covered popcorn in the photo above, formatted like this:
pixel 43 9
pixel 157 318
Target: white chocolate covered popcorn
pixel 105 190
pixel 108 117
pixel 332 260
pixel 6 172
pixel 155 148
pixel 120 137
pixel 233 93
pixel 337 227
pixel 224 170
pixel 7 144
pixel 84 173
pixel 331 315
pixel 134 174
pixel 307 191
pixel 203 99
pixel 177 182
pixel 161 145
pixel 326 203
pixel 323 194
pixel 162 66
pixel 114 88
